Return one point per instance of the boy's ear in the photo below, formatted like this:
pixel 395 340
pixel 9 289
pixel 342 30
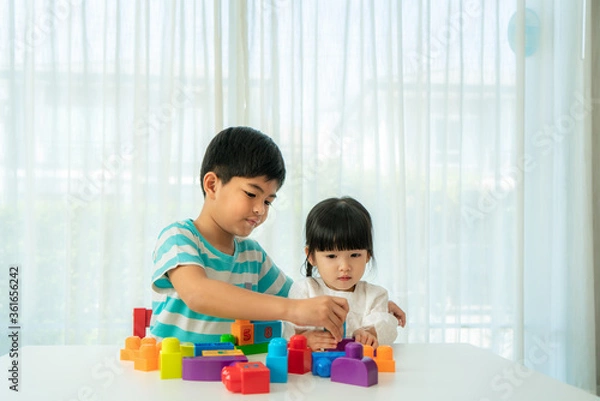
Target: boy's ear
pixel 209 183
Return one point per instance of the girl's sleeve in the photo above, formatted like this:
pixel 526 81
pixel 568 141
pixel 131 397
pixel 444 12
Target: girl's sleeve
pixel 377 315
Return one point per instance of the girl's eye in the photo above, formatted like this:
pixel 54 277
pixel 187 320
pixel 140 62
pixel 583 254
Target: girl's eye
pixel 330 256
pixel 356 255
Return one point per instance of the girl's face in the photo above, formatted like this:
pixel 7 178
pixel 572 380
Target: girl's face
pixel 340 270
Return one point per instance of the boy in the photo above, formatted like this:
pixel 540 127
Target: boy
pixel 205 267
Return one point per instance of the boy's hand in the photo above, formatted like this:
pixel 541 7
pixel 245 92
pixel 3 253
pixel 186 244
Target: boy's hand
pixel 324 311
pixel 397 312
pixel 365 337
pixel 318 340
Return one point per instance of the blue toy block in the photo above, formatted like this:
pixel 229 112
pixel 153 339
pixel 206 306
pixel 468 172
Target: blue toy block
pixel 199 347
pixel 265 331
pixel 277 360
pixel 321 362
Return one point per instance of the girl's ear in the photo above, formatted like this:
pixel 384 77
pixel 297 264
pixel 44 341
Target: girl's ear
pixel 309 257
pixel 209 183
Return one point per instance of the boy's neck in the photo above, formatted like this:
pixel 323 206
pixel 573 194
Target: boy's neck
pixel 214 235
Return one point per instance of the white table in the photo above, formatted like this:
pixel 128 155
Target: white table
pixel 423 372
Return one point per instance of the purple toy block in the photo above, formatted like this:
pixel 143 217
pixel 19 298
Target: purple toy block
pixel 341 346
pixel 354 368
pixel 208 368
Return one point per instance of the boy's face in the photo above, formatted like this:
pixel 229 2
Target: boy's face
pixel 243 203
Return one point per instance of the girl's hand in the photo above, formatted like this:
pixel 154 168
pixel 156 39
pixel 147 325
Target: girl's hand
pixel 366 337
pixel 324 311
pixel 397 312
pixel 318 340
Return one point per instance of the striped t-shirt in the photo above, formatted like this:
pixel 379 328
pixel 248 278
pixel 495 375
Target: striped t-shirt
pixel 181 244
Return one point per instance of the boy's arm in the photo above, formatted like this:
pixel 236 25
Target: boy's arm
pixel 217 298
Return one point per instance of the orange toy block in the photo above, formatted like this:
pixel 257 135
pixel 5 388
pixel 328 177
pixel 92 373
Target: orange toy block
pixel 147 358
pixel 385 359
pixel 222 352
pixel 132 345
pixel 243 331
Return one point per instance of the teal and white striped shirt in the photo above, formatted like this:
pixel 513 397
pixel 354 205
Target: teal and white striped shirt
pixel 181 244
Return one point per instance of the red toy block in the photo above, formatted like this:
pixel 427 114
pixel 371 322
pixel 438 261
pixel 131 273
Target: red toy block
pixel 132 345
pixel 243 331
pixel 246 378
pixel 141 320
pixel 354 368
pixel 299 355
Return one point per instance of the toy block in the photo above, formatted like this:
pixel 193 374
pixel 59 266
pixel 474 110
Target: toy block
pixel 341 346
pixel 299 355
pixel 141 320
pixel 222 352
pixel 147 358
pixel 265 331
pixel 252 349
pixel 208 368
pixel 170 359
pixel 132 345
pixel 321 362
pixel 246 378
pixel 243 331
pixel 199 347
pixel 277 360
pixel 187 350
pixel 385 359
pixel 368 351
pixel 228 338
pixel 354 368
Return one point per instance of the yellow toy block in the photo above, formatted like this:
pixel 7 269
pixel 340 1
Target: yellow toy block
pixel 243 331
pixel 171 360
pixel 222 352
pixel 188 350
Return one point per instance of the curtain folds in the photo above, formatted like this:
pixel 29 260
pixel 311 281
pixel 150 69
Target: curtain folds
pixel 464 126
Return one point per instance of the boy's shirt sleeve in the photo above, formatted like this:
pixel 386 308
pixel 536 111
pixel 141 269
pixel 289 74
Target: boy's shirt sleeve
pixel 272 280
pixel 175 246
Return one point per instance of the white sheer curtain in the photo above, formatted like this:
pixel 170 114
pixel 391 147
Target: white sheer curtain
pixel 464 127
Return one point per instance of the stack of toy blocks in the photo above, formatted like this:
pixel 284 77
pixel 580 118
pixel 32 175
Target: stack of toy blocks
pixel 253 337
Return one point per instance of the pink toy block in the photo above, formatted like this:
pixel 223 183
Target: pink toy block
pixel 299 355
pixel 208 368
pixel 246 378
pixel 354 368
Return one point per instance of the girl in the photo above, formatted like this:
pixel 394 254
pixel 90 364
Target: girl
pixel 339 244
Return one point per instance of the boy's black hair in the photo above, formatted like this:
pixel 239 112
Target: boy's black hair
pixel 243 152
pixel 338 224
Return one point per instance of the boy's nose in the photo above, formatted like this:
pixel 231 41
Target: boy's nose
pixel 259 209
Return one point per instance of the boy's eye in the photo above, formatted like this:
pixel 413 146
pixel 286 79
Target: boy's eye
pixel 250 194
pixel 267 203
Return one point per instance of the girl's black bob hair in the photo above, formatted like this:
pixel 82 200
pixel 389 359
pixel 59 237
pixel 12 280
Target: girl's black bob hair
pixel 338 224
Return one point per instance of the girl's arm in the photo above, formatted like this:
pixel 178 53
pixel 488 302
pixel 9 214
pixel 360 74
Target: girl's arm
pixel 217 298
pixel 397 312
